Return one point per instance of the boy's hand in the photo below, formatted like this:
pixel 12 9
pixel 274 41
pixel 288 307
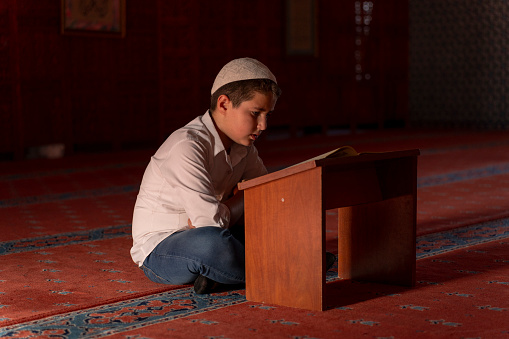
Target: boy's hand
pixel 236 206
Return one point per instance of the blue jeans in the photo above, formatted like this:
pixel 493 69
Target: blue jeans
pixel 210 251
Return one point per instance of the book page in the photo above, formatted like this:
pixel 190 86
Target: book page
pixel 343 151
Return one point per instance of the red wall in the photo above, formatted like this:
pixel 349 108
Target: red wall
pixel 114 93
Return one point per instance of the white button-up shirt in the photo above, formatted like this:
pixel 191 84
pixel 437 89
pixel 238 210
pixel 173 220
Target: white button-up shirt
pixel 189 177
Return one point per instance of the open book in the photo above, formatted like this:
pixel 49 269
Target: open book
pixel 350 157
pixel 343 151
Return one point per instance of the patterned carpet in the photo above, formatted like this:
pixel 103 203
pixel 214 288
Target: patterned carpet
pixel 67 272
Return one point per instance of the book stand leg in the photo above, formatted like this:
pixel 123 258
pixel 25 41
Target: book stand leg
pixel 377 242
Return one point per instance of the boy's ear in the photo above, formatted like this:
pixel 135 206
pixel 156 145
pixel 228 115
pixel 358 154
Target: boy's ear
pixel 223 103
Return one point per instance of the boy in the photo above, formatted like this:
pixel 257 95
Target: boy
pixel 186 209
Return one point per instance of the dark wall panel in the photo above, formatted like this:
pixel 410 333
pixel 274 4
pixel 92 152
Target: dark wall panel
pixel 99 93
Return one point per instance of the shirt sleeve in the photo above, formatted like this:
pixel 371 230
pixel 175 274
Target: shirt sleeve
pixel 186 170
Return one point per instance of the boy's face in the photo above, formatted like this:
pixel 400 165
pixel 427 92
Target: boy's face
pixel 244 124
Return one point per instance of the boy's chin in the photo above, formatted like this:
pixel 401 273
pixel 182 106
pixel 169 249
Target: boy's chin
pixel 245 142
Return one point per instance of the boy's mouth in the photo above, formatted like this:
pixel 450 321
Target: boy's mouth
pixel 254 137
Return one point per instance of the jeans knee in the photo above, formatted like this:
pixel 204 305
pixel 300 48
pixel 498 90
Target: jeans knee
pixel 154 276
pixel 218 243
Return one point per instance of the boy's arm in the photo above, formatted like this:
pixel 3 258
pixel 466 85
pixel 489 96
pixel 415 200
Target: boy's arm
pixel 236 206
pixel 185 170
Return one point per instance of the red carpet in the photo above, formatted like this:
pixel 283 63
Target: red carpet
pixel 448 301
pixel 67 271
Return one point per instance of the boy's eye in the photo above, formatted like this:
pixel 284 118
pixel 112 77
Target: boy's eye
pixel 256 114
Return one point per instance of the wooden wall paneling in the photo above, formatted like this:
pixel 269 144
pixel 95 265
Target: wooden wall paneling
pixel 137 81
pixel 40 60
pixel 395 61
pixel 11 123
pixel 381 56
pixel 349 96
pixel 138 111
pixel 388 62
pixel 113 89
pixel 367 66
pixel 178 36
pixel 161 130
pixel 93 68
pixel 41 88
pixel 246 34
pixel 6 86
pixel 272 32
pixel 336 34
pixel 325 85
pixel 298 67
pixel 122 92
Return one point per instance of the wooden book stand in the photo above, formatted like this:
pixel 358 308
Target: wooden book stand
pixel 375 195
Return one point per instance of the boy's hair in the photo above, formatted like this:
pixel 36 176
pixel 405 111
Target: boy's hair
pixel 244 90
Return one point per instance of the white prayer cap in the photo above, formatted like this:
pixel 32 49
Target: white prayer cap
pixel 241 69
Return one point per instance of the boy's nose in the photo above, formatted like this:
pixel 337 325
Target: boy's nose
pixel 262 123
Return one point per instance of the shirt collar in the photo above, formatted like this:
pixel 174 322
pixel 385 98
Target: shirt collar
pixel 237 152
